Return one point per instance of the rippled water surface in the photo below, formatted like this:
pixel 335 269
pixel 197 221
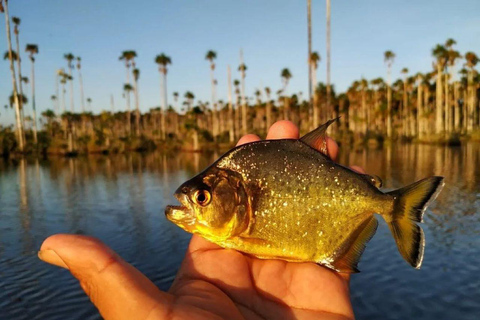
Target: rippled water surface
pixel 120 199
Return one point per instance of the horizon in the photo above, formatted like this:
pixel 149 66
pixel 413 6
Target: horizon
pixel 188 32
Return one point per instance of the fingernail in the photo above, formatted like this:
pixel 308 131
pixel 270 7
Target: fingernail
pixel 50 256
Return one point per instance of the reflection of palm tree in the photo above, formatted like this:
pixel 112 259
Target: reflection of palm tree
pixel 20 133
pixel 32 49
pixel 163 61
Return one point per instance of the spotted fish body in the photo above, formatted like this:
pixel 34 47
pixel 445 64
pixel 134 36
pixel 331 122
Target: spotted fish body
pixel 292 202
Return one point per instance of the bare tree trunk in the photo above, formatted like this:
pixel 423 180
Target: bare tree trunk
pixel 328 111
pixel 457 106
pixel 420 112
pixel 18 117
pixel 310 69
pixel 231 119
pixel 34 117
pixel 439 123
pixel 389 104
pixel 137 108
pixel 316 107
pixel 20 85
pixel 165 106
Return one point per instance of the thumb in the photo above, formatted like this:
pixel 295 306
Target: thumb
pixel 117 289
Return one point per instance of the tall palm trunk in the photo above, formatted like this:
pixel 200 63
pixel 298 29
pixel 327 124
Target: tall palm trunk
pixel 310 67
pixel 244 106
pixel 82 100
pixel 389 104
pixel 328 111
pixel 230 107
pixel 439 124
pixel 165 104
pixel 35 140
pixel 137 107
pixel 215 128
pixel 316 107
pixel 420 111
pixel 71 87
pixel 364 112
pixel 405 124
pixel 129 115
pixel 448 107
pixel 268 112
pixel 20 134
pixel 457 106
pixel 20 86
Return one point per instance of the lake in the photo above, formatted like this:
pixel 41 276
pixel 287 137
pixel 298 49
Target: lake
pixel 121 199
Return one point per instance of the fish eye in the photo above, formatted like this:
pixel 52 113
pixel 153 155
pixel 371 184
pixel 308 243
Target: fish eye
pixel 202 197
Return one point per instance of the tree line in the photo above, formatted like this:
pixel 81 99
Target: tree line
pixel 437 106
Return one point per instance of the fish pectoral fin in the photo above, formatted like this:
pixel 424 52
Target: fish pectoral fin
pixel 348 262
pixel 316 138
pixel 373 179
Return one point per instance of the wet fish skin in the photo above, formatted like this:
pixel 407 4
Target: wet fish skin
pixel 284 199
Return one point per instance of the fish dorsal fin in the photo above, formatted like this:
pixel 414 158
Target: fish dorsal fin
pixel 348 262
pixel 316 138
pixel 373 179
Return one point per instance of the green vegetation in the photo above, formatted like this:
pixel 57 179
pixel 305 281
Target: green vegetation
pixel 438 106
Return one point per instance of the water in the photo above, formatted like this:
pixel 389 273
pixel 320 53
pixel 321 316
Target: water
pixel 120 199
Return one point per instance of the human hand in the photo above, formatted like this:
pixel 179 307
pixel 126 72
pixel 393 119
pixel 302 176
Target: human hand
pixel 212 283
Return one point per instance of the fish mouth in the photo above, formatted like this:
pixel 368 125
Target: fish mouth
pixel 181 215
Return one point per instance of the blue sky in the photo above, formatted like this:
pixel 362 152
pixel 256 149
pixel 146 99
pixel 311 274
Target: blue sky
pixel 272 34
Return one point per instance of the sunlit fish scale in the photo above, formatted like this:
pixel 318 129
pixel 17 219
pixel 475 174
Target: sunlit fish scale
pixel 302 206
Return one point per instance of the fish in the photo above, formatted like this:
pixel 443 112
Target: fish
pixel 287 199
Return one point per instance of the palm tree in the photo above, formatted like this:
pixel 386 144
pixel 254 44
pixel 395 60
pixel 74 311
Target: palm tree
pixel 452 118
pixel 70 57
pixel 20 133
pixel 80 82
pixel 285 75
pixel 163 61
pixel 136 76
pixel 328 59
pixel 129 57
pixel 127 88
pixel 440 54
pixel 211 56
pixel 32 49
pixel 314 60
pixel 16 21
pixel 269 108
pixel 242 68
pixel 389 56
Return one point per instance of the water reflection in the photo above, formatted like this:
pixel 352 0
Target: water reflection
pixel 121 198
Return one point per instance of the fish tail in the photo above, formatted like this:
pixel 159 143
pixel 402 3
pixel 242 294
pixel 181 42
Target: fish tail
pixel 409 204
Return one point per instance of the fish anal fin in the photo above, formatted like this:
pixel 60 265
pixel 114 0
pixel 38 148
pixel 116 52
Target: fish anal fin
pixel 348 261
pixel 316 138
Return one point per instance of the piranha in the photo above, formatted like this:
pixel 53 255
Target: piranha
pixel 286 199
